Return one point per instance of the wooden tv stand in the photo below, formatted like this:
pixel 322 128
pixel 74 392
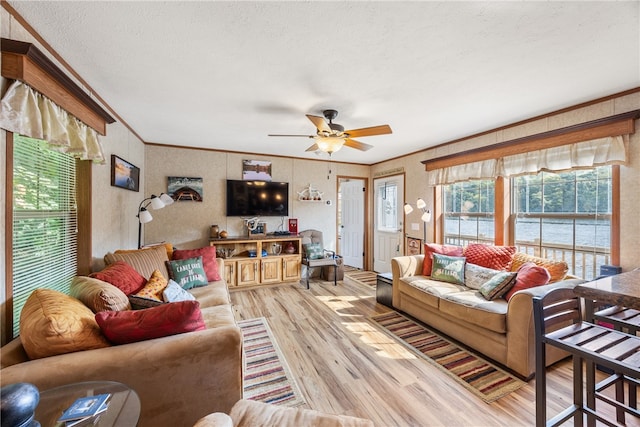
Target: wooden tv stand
pixel 250 261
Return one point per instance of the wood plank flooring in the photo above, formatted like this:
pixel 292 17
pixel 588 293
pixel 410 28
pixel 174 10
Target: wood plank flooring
pixel 344 364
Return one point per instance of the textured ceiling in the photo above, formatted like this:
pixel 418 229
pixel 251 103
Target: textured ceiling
pixel 225 74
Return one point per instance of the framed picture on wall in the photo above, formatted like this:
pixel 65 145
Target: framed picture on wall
pixel 414 246
pixel 183 188
pixel 256 170
pixel 124 174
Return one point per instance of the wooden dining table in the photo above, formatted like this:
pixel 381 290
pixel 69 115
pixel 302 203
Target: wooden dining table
pixel 622 289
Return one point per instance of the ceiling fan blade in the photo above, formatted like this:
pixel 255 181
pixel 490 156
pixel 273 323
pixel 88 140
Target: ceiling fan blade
pixel 357 144
pixel 314 147
pixel 374 130
pixel 302 136
pixel 319 123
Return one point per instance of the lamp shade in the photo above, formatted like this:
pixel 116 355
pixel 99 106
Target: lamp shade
pixel 330 144
pixel 166 199
pixel 156 203
pixel 420 204
pixel 407 209
pixel 426 216
pixel 145 216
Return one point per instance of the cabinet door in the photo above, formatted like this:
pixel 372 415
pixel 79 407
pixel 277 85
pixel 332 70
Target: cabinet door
pixel 248 272
pixel 271 271
pixel 291 268
pixel 230 272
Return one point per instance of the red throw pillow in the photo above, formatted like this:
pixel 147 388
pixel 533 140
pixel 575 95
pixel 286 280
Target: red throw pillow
pixel 489 256
pixel 208 254
pixel 122 276
pixel 122 327
pixel 431 248
pixel 529 275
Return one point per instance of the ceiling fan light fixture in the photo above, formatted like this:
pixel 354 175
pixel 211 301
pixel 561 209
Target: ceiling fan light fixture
pixel 330 144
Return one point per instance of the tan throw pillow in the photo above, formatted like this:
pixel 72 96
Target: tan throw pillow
pixel 98 295
pixel 144 261
pixel 557 269
pixel 53 323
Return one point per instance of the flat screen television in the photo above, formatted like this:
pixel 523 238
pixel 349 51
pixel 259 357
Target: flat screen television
pixel 257 198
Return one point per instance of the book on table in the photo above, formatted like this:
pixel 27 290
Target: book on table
pixel 85 407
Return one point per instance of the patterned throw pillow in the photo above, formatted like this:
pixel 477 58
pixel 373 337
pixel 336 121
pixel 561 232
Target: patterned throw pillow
pixel 313 250
pixel 475 275
pixel 448 269
pixel 434 248
pixel 188 273
pixel 98 295
pixel 140 303
pixel 557 269
pixel 498 285
pixel 122 327
pixel 121 275
pixel 209 263
pixel 154 287
pixel 529 276
pixel 489 256
pixel 174 293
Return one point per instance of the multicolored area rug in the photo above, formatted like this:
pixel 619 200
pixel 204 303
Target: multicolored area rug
pixel 365 277
pixel 267 377
pixel 481 377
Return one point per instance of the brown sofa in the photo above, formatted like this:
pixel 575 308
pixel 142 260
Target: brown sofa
pixel 500 330
pixel 179 378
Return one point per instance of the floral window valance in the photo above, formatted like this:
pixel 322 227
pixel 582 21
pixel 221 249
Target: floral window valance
pixel 26 111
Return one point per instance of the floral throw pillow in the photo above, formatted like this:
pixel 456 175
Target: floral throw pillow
pixel 188 273
pixel 448 269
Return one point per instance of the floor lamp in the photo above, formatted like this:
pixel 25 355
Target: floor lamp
pixel 426 216
pixel 144 216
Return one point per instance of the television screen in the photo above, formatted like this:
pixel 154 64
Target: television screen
pixel 257 198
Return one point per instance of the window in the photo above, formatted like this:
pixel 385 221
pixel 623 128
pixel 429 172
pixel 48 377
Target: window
pixel 44 221
pixel 387 203
pixel 469 212
pixel 565 216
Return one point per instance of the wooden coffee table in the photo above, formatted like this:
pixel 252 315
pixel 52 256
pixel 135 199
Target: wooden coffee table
pixel 124 404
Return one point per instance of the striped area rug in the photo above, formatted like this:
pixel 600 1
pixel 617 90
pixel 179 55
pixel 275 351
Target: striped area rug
pixel 267 377
pixel 365 277
pixel 481 377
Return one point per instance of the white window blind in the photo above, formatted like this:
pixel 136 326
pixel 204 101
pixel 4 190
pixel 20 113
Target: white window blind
pixel 44 221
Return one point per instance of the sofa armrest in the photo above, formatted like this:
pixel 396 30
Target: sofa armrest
pixel 520 332
pixel 202 371
pixel 404 266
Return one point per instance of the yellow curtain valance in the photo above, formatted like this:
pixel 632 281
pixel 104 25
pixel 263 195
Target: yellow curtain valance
pixel 587 154
pixel 26 111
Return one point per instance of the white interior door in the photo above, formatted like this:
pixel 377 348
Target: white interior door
pixel 352 222
pixel 388 221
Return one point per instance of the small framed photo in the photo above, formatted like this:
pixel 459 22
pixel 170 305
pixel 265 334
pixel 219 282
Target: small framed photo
pixel 124 174
pixel 260 230
pixel 414 246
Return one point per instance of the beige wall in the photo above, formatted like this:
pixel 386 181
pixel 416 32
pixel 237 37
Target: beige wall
pixel 630 174
pixel 186 224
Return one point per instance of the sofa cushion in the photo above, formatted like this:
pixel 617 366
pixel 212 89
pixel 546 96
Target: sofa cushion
pixel 208 254
pixel 54 323
pixel 154 286
pixel 489 256
pixel 122 327
pixel 174 293
pixel 529 276
pixel 188 273
pixel 498 285
pixel 430 291
pixel 220 315
pixel 144 261
pixel 448 269
pixel 98 295
pixel 557 269
pixel 476 275
pixel 471 307
pixel 121 275
pixel 215 293
pixel 434 248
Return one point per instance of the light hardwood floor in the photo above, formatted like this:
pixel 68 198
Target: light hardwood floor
pixel 344 364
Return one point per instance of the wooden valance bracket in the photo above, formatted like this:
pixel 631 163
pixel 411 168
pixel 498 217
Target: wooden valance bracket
pixel 25 62
pixel 620 124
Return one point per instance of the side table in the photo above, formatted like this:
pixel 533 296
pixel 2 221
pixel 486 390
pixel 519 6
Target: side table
pixel 124 404
pixel 384 289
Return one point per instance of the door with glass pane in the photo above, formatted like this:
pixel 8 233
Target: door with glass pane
pixel 388 221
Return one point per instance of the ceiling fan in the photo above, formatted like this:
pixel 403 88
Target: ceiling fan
pixel 330 137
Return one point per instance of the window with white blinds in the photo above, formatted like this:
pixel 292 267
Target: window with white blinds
pixel 44 221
